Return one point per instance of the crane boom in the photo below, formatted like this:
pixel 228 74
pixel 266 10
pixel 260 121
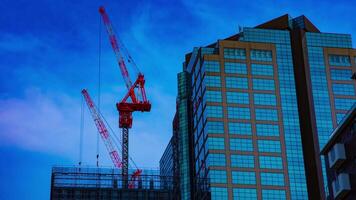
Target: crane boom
pixel 116 48
pixel 102 130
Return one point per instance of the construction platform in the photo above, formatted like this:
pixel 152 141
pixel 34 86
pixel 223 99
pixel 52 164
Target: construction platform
pixel 107 183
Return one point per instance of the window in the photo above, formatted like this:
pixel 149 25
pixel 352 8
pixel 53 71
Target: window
pixel 267 130
pixel 237 97
pixel 236 82
pixel 219 193
pixel 245 178
pixel 244 193
pixel 339 117
pixel 266 114
pixel 344 104
pixel 241 144
pixel 270 162
pixel 213 81
pixel 273 194
pixel 216 143
pixel 212 66
pixel 265 99
pixel 271 146
pixel 217 176
pixel 343 89
pixel 338 74
pixel 214 111
pixel 261 55
pixel 216 159
pixel 261 69
pixel 263 84
pixel 273 179
pixel 339 60
pixel 243 161
pixel 234 53
pixel 236 68
pixel 240 128
pixel 215 127
pixel 213 96
pixel 238 113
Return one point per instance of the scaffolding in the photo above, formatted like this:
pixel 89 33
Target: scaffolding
pixel 106 183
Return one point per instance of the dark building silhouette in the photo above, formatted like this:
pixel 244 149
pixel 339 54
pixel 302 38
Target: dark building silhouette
pixel 340 158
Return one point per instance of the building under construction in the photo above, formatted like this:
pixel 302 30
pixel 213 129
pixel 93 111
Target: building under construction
pixel 107 183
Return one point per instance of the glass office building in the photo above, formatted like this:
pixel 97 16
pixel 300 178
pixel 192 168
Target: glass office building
pixel 261 103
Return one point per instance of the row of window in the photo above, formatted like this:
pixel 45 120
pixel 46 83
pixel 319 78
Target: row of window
pixel 239 144
pixel 256 54
pixel 339 60
pixel 240 83
pixel 242 113
pixel 241 98
pixel 239 68
pixel 247 194
pixel 239 128
pixel 247 178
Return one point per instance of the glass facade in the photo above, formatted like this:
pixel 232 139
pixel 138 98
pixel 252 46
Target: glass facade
pixel 330 76
pixel 244 115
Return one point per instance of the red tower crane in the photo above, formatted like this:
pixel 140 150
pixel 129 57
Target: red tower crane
pixel 135 99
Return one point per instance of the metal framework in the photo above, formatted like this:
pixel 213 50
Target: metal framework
pixel 106 183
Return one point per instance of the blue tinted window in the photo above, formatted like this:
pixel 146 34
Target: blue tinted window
pixel 215 127
pixel 213 81
pixel 237 97
pixel 339 60
pixel 235 82
pixel 216 143
pixel 245 178
pixel 243 161
pixel 236 68
pixel 274 179
pixel 240 128
pixel 339 117
pixel 344 104
pixel 273 194
pixel 214 111
pixel 212 66
pixel 263 84
pixel 241 144
pixel 219 193
pixel 271 162
pixel 262 69
pixel 261 55
pixel 213 96
pixel 271 146
pixel 265 99
pixel 217 176
pixel 244 193
pixel 216 159
pixel 266 114
pixel 340 74
pixel 234 53
pixel 238 113
pixel 267 130
pixel 343 89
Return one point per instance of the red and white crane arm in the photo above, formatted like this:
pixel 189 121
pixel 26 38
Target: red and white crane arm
pixel 102 130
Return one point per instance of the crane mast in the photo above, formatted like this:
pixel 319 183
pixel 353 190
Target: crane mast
pixel 131 102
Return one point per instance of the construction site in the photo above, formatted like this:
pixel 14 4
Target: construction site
pixel 125 180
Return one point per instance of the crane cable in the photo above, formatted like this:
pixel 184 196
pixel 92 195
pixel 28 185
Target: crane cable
pixel 81 131
pixel 99 91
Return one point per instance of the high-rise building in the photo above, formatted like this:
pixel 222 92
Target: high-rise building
pixel 340 156
pixel 255 108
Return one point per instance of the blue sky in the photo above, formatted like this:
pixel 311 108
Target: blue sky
pixel 49 52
